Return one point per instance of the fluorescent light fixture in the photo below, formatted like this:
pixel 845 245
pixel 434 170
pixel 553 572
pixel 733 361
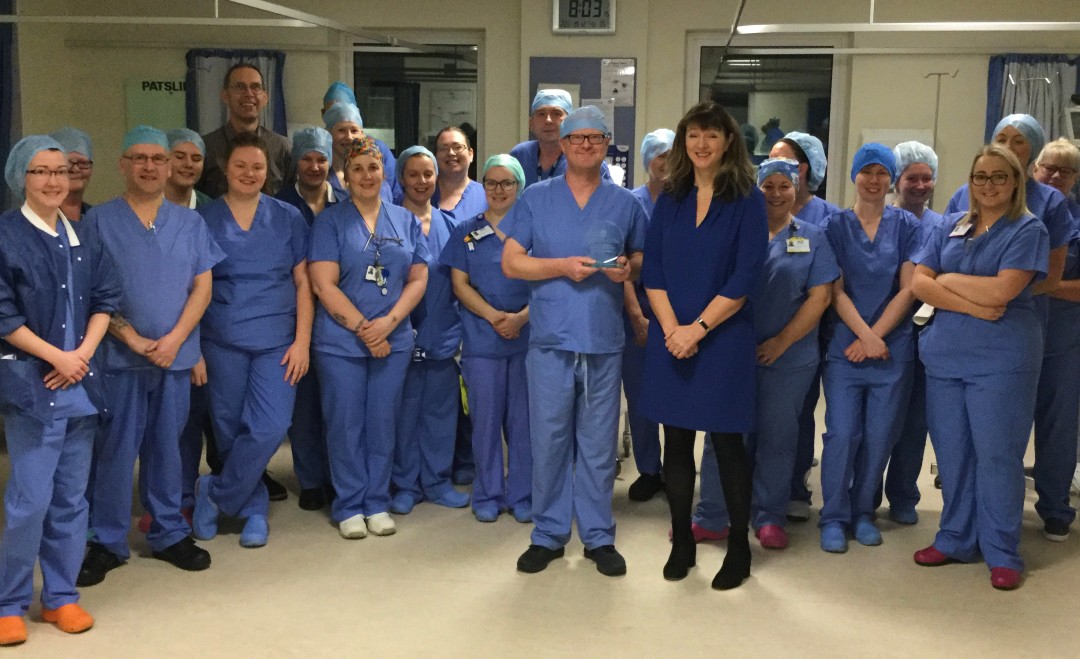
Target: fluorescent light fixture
pixel 957 26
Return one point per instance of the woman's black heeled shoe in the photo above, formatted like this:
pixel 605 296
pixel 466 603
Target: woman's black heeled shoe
pixel 736 567
pixel 683 557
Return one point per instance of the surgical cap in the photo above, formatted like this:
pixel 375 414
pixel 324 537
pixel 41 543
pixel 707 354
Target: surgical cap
pixel 181 135
pixel 587 116
pixel 339 92
pixel 1029 128
pixel 554 97
pixel 73 139
pixel 365 146
pixel 310 139
pixel 655 143
pixel 21 155
pixel 815 154
pixel 509 162
pixel 340 112
pixel 409 153
pixel 143 134
pixel 873 153
pixel 911 153
pixel 786 167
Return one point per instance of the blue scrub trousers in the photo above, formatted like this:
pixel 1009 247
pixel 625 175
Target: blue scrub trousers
pixel 644 434
pixel 781 394
pixel 711 512
pixel 150 409
pixel 252 408
pixel 191 447
pixel 307 435
pixel 499 407
pixel 906 461
pixel 979 426
pixel 1057 404
pixel 804 450
pixel 361 399
pixel 863 405
pixel 45 509
pixel 574 426
pixel 427 430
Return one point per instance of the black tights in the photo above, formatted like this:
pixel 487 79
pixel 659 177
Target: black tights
pixel 680 472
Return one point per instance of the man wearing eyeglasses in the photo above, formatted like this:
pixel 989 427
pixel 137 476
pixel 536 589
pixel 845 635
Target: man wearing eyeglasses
pixel 80 156
pixel 245 96
pixel 576 238
pixel 163 253
pixel 542 158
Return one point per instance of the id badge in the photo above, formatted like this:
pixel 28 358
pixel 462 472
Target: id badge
pixel 960 230
pixel 480 234
pixel 372 274
pixel 798 245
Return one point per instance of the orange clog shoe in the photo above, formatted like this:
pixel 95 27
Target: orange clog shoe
pixel 12 630
pixel 70 618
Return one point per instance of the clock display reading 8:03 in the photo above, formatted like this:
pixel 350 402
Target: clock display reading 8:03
pixel 583 16
pixel 585 9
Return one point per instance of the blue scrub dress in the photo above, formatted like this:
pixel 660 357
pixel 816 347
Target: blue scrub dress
pixel 980 394
pixel 789 274
pixel 494 372
pixel 50 283
pixel 307 435
pixel 361 395
pixel 157 268
pixel 427 425
pixel 246 330
pixel 865 402
pixel 574 357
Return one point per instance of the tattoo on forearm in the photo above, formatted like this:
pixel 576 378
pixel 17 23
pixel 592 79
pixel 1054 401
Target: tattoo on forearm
pixel 341 319
pixel 117 322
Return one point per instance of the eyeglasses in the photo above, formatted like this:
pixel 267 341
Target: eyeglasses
pixel 80 164
pixel 506 186
pixel 997 178
pixel 240 88
pixel 1065 172
pixel 157 160
pixel 594 138
pixel 45 172
pixel 456 149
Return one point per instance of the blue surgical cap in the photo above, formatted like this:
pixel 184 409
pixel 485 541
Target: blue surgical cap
pixel 339 92
pixel 587 116
pixel 181 135
pixel 786 167
pixel 509 162
pixel 19 159
pixel 815 154
pixel 339 112
pixel 1029 128
pixel 553 97
pixel 409 153
pixel 73 139
pixel 873 153
pixel 657 142
pixel 143 134
pixel 310 139
pixel 911 153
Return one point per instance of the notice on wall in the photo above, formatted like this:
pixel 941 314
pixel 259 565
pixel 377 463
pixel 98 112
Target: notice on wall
pixel 155 102
pixel 617 80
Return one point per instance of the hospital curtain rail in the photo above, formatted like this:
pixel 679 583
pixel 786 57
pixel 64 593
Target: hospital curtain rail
pixel 1028 92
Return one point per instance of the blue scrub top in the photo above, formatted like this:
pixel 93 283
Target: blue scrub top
pixel 73 401
pixel 340 235
pixel 785 282
pixel 290 195
pixel 958 345
pixel 583 317
pixel 1063 322
pixel 1043 201
pixel 253 306
pixel 645 199
pixel 473 202
pixel 871 272
pixel 483 264
pixel 157 269
pixel 437 320
pixel 642 194
pixel 528 156
pixel 816 211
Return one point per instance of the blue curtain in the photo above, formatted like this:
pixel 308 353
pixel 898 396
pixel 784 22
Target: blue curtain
pixel 7 85
pixel 205 74
pixel 1023 68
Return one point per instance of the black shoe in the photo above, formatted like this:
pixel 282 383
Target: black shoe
pixel 463 476
pixel 536 558
pixel 736 567
pixel 646 487
pixel 683 557
pixel 1056 530
pixel 185 555
pixel 609 562
pixel 312 498
pixel 275 489
pixel 96 564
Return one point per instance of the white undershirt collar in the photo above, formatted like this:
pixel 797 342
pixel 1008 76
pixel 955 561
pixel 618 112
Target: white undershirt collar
pixel 35 219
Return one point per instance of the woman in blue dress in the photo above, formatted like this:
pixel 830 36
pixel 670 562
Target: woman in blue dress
pixel 368 265
pixel 256 336
pixel 982 356
pixel 704 252
pixel 496 337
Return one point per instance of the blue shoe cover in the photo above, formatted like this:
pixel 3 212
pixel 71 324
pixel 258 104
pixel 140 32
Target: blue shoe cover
pixel 256 531
pixel 204 519
pixel 833 538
